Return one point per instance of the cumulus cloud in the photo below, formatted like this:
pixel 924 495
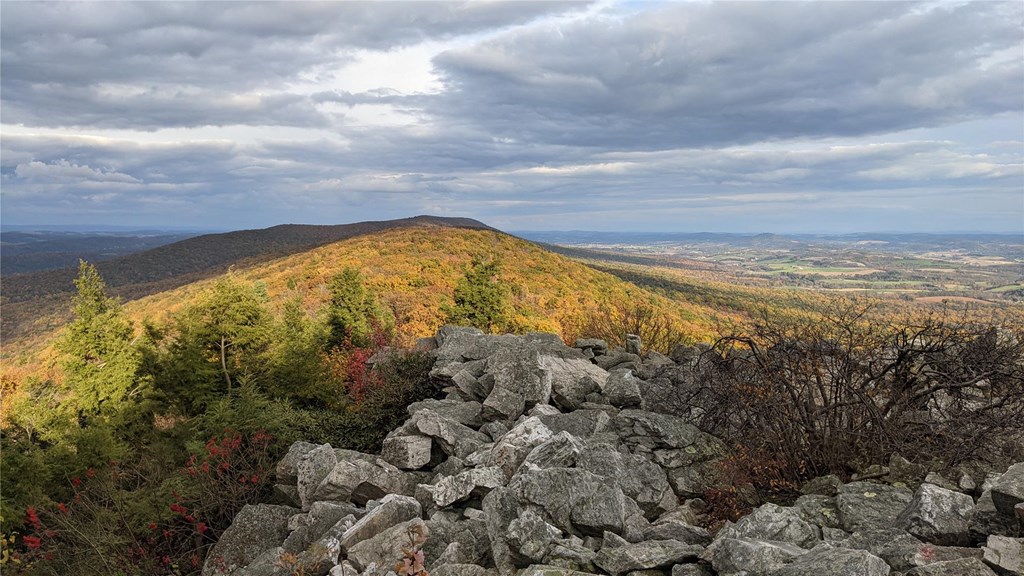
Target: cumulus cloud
pixel 712 116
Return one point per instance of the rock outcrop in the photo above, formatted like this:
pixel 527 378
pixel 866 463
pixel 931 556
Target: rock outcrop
pixel 548 460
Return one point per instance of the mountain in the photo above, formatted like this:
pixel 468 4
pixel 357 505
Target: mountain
pixel 27 297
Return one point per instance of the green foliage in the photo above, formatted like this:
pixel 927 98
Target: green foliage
pixel 219 339
pixel 353 313
pixel 296 369
pixel 98 358
pixel 480 300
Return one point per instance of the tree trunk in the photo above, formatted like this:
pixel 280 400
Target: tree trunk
pixel 224 361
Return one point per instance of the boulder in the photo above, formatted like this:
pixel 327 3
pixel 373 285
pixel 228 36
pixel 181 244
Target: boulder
pixel 985 520
pixel 617 358
pixel 560 451
pixel 1008 490
pixel 458 570
pixel 774 523
pixel 311 469
pixel 691 570
pixel 677 530
pixel 580 423
pixel 937 515
pixel 465 412
pixel 1004 555
pixel 512 449
pixel 962 567
pixel 392 510
pixel 823 485
pixel 359 481
pixel 286 471
pixel 321 517
pixel 752 557
pixel 651 554
pixel 530 537
pixel 639 478
pixel 386 548
pixel 867 506
pixel 633 344
pixel 254 530
pixel 571 380
pixel 548 570
pixel 474 482
pixel 407 452
pixel 897 547
pixel 818 510
pixel 622 388
pixel 826 559
pixel 454 439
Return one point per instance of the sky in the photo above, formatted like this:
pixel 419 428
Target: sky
pixel 619 116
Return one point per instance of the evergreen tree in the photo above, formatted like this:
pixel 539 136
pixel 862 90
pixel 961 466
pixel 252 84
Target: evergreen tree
pixel 297 371
pixel 98 357
pixel 480 299
pixel 353 314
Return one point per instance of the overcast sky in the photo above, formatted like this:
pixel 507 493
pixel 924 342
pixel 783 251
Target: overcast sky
pixel 682 116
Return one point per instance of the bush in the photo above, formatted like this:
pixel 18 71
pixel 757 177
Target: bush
pixel 846 390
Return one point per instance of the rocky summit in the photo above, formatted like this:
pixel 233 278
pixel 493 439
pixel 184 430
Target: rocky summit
pixel 547 460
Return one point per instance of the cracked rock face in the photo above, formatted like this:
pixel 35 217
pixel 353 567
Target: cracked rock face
pixel 544 461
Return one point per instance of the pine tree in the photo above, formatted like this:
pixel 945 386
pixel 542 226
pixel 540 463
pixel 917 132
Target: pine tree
pixel 353 314
pixel 480 299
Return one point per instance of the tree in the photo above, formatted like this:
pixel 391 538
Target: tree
pixel 98 357
pixel 297 370
pixel 353 314
pixel 220 338
pixel 480 300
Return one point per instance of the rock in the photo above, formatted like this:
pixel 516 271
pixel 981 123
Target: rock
pixel 633 344
pixel 548 570
pixel 622 388
pixel 695 480
pixel 677 530
pixel 287 495
pixel 818 510
pixel 580 423
pixel 512 449
pixel 752 557
pixel 775 523
pixel 321 517
pixel 385 549
pixel 311 469
pixel 617 358
pixel 639 478
pixel 937 515
pixel 902 470
pixel 273 562
pixel 691 570
pixel 826 559
pixel 466 413
pixel 455 439
pixel 407 452
pixel 530 537
pixel 1004 555
pixel 966 483
pixel 986 520
pixel 560 451
pixel 458 570
pixel 359 481
pixel 823 485
pixel 638 427
pixel 962 567
pixel 897 547
pixel 1008 491
pixel 576 501
pixel 596 344
pixel 254 530
pixel 286 470
pixel 393 509
pixel 652 554
pixel 939 480
pixel 571 553
pixel 474 482
pixel 866 506
pixel 571 380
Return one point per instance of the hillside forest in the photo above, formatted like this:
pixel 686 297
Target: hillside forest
pixel 133 434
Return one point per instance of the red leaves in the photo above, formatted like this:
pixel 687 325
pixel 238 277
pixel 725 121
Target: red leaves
pixel 32 542
pixel 32 517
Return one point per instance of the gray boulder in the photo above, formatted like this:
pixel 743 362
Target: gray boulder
pixel 386 548
pixel 826 559
pixel 962 567
pixel 897 547
pixel 937 515
pixel 818 510
pixel 572 379
pixel 512 449
pixel 311 469
pixel 407 452
pixel 580 423
pixel 677 530
pixel 639 478
pixel 868 506
pixel 774 523
pixel 465 412
pixel 530 537
pixel 560 451
pixel 622 388
pixel 286 470
pixel 649 555
pixel 359 481
pixel 254 530
pixel 617 358
pixel 986 520
pixel 549 570
pixel 321 517
pixel 752 557
pixel 1004 555
pixel 453 438
pixel 392 510
pixel 474 482
pixel 1008 491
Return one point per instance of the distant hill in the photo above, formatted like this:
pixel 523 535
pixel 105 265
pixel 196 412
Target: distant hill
pixel 27 297
pixel 38 250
